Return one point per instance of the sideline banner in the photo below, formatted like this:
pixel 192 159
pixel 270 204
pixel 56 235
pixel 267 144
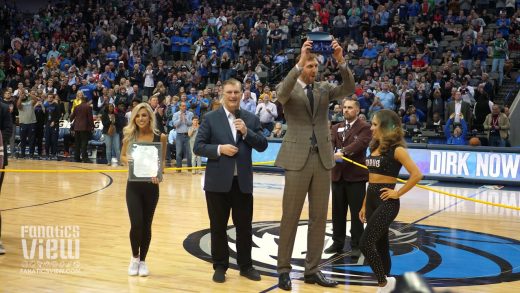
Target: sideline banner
pixel 446 163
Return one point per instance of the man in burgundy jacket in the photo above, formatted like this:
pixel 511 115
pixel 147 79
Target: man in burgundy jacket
pixel 83 126
pixel 350 139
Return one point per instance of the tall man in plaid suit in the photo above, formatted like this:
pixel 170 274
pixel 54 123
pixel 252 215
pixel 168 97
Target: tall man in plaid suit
pixel 306 156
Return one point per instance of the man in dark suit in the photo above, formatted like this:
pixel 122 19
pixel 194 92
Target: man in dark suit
pixel 227 137
pixel 350 138
pixel 83 126
pixel 6 128
pixel 458 106
pixel 306 156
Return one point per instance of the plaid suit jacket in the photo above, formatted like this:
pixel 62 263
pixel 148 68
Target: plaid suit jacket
pixel 301 121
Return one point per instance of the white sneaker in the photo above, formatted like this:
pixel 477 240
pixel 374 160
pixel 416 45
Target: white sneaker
pixel 143 269
pixel 133 268
pixel 389 287
pixel 2 249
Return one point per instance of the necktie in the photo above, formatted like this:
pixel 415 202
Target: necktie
pixel 347 128
pixel 310 96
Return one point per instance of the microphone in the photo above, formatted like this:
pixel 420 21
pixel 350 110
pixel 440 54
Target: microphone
pixel 237 114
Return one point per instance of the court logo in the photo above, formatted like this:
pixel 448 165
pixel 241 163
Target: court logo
pixel 50 249
pixel 444 256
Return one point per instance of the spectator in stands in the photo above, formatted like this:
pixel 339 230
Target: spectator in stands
pixel 497 126
pixel 386 97
pixel 375 107
pixel 412 110
pixel 458 106
pixel 278 131
pixel 112 127
pixel 148 82
pixel 500 50
pixel 52 123
pixel 160 118
pixel 482 108
pixel 480 52
pixel 13 112
pixel 27 120
pixel 337 114
pixel 418 64
pixel 196 161
pixel 182 120
pixel 467 54
pixel 370 51
pixel 460 130
pixel 82 127
pixel 247 103
pixel 267 112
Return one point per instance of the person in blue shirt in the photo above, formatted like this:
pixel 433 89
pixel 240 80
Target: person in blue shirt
pixel 186 46
pixel 87 89
pixel 458 137
pixel 112 55
pixel 370 52
pixel 176 41
pixel 170 148
pixel 200 105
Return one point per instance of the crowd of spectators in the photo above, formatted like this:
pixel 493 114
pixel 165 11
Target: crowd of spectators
pixel 436 63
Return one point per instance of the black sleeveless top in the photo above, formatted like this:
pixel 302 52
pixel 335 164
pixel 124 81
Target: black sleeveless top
pixel 384 164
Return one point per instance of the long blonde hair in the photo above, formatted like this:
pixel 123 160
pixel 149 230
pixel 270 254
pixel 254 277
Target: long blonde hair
pixel 391 133
pixel 131 131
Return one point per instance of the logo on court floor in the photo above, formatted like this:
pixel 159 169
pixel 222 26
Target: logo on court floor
pixel 444 256
pixel 50 249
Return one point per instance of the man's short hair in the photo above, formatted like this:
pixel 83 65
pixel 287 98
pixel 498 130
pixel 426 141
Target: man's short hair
pixel 232 81
pixel 350 99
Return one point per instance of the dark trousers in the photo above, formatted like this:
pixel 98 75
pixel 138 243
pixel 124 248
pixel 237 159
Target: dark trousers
pixel 51 139
pixel 269 126
pixel 80 147
pixel 141 201
pixel 182 147
pixel 27 137
pixel 347 195
pixel 38 138
pixel 241 206
pixel 374 243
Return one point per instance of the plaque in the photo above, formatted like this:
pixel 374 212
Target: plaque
pixel 146 161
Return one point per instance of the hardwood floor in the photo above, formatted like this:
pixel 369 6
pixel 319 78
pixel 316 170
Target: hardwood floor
pixel 95 202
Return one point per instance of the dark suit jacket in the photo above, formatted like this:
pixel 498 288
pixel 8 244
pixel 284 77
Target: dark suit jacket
pixel 465 109
pixel 215 130
pixel 354 147
pixel 302 120
pixel 82 116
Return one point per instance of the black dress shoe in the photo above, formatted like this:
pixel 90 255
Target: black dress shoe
pixel 334 248
pixel 219 276
pixel 319 278
pixel 356 253
pixel 284 282
pixel 251 274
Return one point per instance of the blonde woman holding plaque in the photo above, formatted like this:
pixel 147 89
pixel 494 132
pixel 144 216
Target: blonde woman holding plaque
pixel 141 197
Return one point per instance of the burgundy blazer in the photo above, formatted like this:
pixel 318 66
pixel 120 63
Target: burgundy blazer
pixel 82 116
pixel 353 147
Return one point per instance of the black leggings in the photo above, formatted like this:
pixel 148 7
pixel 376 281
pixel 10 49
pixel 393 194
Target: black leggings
pixel 141 200
pixel 374 243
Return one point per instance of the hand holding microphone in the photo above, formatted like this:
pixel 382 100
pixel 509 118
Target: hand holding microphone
pixel 240 125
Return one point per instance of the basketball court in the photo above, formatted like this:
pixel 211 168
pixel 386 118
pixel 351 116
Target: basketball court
pixel 68 232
